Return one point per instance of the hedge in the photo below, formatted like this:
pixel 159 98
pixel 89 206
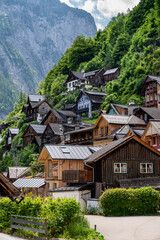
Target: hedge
pixel 130 202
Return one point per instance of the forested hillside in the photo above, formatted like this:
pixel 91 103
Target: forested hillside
pixel 131 42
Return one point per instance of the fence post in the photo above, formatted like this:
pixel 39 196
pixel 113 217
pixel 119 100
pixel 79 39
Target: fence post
pixel 46 232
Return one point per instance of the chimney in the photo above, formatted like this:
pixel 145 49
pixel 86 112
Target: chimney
pixel 131 103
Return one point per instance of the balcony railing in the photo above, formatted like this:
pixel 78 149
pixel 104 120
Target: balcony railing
pixel 151 103
pixel 77 176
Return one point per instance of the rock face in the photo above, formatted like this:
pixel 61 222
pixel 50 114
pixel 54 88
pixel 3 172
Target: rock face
pixel 33 36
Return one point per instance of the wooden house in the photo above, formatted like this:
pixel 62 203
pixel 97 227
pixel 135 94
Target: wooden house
pixel 147 113
pixel 82 136
pixel 122 160
pixel 111 74
pixel 54 133
pixel 60 116
pixel 10 134
pixel 120 109
pixel 32 131
pixel 152 134
pixel 151 91
pixel 7 188
pixel 89 101
pixel 81 80
pixel 65 164
pixel 107 125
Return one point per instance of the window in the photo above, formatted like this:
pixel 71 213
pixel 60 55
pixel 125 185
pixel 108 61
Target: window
pixel 120 167
pixel 50 169
pixel 102 131
pixel 106 130
pixel 51 120
pixel 145 117
pixel 96 132
pixel 146 167
pixel 64 150
pixel 154 141
pixel 158 97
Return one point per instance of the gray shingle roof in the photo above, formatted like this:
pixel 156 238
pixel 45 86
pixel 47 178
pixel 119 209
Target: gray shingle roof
pixel 14 130
pixel 66 113
pixel 119 119
pixel 29 182
pixel 152 112
pixel 69 152
pixel 92 73
pixel 58 129
pixel 110 71
pixel 80 130
pixel 38 128
pixel 155 78
pixel 105 149
pixel 36 97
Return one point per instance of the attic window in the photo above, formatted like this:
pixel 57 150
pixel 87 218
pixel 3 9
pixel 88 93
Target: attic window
pixel 65 150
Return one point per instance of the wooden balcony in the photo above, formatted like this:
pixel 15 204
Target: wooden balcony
pixel 77 176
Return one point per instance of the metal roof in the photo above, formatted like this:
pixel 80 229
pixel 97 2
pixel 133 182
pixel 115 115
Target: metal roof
pixel 110 71
pixel 36 97
pixel 68 152
pixel 15 172
pixel 119 119
pixel 29 182
pixel 14 130
pixel 38 128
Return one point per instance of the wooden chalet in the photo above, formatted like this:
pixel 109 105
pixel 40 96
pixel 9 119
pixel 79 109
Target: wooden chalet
pixel 82 136
pixel 54 133
pixel 120 109
pixel 89 101
pixel 111 74
pixel 67 118
pixel 65 164
pixel 151 91
pixel 10 134
pixel 35 186
pixel 7 188
pixel 147 113
pixel 107 125
pixel 32 131
pixel 81 80
pixel 122 160
pixel 152 134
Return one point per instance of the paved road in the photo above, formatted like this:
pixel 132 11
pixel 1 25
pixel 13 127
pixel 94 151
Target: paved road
pixel 127 228
pixel 7 237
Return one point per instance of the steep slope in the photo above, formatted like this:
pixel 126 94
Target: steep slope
pixel 33 36
pixel 131 42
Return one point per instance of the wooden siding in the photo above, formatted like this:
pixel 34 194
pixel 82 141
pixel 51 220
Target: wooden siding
pixel 52 119
pixel 132 153
pixel 29 136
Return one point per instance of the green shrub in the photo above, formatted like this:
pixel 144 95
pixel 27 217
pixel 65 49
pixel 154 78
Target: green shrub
pixel 128 202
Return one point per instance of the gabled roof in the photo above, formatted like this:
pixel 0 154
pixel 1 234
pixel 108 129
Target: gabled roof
pixel 113 105
pixel 29 182
pixel 92 73
pixel 154 78
pixel 36 97
pixel 60 114
pixel 152 112
pixel 116 144
pixel 69 152
pixel 8 186
pixel 119 119
pixel 95 97
pixel 77 75
pixel 58 129
pixel 40 102
pixel 13 131
pixel 153 127
pixel 38 128
pixel 66 113
pixel 110 71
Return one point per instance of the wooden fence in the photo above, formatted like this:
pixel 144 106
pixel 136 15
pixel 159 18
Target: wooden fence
pixel 18 219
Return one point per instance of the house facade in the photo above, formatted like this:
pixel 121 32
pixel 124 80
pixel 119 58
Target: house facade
pixel 111 74
pixel 151 91
pixel 124 159
pixel 89 101
pixel 53 133
pixel 11 133
pixel 33 130
pixel 147 113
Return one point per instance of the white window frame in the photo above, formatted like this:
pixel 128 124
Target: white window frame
pixel 120 167
pixel 155 141
pixel 146 168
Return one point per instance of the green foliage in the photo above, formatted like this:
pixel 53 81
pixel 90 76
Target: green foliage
pixel 64 216
pixel 128 202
